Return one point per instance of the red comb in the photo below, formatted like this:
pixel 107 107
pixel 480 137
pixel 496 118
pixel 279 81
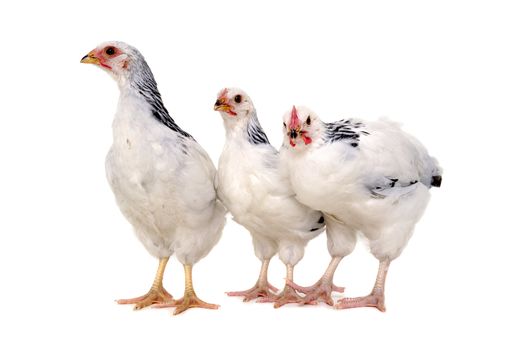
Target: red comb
pixel 223 93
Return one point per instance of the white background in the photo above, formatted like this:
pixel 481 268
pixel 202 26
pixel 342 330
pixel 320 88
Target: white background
pixel 453 72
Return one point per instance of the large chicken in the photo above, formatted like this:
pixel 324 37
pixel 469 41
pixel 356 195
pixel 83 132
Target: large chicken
pixel 255 191
pixel 162 179
pixel 366 177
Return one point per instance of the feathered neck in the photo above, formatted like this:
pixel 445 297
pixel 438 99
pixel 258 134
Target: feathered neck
pixel 141 82
pixel 247 127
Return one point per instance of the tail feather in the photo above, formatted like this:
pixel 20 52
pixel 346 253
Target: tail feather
pixel 436 180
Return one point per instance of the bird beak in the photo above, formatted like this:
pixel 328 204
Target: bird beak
pixel 91 58
pixel 222 106
pixel 292 142
pixel 295 130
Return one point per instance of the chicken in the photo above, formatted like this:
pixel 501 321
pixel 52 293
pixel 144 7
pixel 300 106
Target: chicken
pixel 254 190
pixel 366 177
pixel 163 181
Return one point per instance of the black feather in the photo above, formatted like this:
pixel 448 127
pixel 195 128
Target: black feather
pixel 146 85
pixel 255 132
pixel 436 181
pixel 344 131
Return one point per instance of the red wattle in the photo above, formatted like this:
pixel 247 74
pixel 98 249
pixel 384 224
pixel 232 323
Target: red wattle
pixel 307 139
pixel 105 65
pixel 292 143
pixel 99 56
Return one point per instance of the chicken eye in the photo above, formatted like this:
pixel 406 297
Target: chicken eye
pixel 284 124
pixel 308 120
pixel 238 98
pixel 110 51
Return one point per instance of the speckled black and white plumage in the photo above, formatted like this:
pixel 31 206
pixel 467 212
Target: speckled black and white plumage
pixel 143 81
pixel 345 130
pixel 255 132
pixel 350 132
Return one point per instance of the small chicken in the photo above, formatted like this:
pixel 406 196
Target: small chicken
pixel 366 177
pixel 254 190
pixel 162 179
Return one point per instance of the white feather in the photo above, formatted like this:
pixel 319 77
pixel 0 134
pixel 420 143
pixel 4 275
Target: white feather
pixel 259 196
pixel 163 183
pixel 366 189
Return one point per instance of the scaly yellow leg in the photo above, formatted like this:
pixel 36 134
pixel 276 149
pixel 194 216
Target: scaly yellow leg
pixel 190 299
pixel 157 293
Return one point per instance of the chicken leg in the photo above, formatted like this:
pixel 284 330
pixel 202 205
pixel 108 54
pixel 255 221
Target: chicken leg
pixel 323 288
pixel 190 299
pixel 262 288
pixel 156 294
pixel 288 294
pixel 375 298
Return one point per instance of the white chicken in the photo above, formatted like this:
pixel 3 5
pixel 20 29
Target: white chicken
pixel 366 177
pixel 162 179
pixel 255 191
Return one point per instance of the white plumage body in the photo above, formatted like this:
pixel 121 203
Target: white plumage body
pixel 163 184
pixel 163 181
pixel 355 187
pixel 258 195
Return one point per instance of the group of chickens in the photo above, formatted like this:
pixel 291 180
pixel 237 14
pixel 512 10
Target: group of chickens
pixel 347 177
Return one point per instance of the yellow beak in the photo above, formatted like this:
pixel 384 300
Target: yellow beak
pixel 224 108
pixel 222 105
pixel 90 58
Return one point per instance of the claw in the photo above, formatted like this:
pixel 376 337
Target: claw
pixel 372 300
pixel 375 298
pixel 305 290
pixel 154 296
pixel 189 300
pixel 258 291
pixel 319 291
pixel 287 296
